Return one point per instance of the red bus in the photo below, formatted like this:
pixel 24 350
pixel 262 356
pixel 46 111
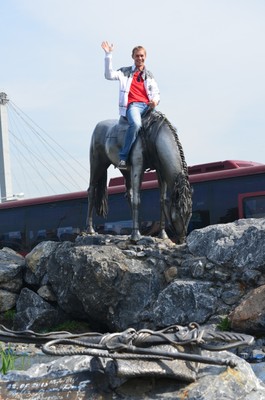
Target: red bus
pixel 222 192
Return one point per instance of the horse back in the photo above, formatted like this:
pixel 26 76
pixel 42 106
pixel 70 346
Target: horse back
pixel 101 131
pixel 107 140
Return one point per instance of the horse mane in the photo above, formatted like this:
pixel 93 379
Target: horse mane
pixel 182 192
pixel 158 118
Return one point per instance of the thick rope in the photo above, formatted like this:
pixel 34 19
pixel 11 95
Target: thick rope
pixel 131 344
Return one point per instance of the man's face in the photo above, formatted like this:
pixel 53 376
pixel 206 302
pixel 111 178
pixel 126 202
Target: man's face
pixel 139 58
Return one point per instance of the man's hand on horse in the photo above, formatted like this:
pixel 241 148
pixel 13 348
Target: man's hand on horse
pixel 152 103
pixel 108 48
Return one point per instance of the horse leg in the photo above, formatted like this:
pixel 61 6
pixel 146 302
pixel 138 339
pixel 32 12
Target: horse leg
pixel 136 176
pixel 135 235
pixel 97 191
pixel 91 201
pixel 128 185
pixel 163 204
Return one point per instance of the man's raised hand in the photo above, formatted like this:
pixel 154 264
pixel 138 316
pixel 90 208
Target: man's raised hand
pixel 108 48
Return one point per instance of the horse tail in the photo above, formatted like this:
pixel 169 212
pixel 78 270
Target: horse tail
pixel 101 196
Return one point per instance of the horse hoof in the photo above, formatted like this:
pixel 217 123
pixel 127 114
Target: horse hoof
pixel 181 240
pixel 163 235
pixel 135 237
pixel 91 232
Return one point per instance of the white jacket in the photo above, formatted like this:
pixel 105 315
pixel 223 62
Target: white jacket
pixel 124 75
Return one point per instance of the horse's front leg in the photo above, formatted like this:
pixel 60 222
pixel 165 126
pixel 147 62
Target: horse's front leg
pixel 128 185
pixel 91 201
pixel 135 203
pixel 163 205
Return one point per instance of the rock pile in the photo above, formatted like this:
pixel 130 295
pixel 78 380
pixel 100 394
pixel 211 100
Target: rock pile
pixel 107 280
pixel 217 276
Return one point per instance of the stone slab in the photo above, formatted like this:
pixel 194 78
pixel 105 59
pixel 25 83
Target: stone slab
pixel 81 386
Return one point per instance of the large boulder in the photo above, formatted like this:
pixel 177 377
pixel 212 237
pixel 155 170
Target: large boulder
pixel 11 268
pixel 239 244
pixel 34 313
pixel 249 315
pixel 184 301
pixel 36 263
pixel 11 278
pixel 105 284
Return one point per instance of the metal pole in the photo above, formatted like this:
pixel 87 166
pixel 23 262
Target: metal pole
pixel 5 169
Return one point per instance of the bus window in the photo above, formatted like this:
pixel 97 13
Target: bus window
pixel 199 219
pixel 13 240
pixel 68 233
pixel 115 228
pixel 56 221
pixel 253 206
pixel 201 205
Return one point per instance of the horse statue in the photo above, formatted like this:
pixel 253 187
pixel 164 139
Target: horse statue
pixel 157 147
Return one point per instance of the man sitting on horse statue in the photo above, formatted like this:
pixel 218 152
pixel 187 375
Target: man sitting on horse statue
pixel 138 93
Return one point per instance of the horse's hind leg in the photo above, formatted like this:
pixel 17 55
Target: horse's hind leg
pixel 97 191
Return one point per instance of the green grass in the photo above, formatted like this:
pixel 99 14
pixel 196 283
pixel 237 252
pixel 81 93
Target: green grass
pixel 224 324
pixel 72 326
pixel 9 315
pixel 7 359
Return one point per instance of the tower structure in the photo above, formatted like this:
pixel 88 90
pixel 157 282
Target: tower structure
pixel 5 169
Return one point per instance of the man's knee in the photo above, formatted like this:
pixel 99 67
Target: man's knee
pixel 136 125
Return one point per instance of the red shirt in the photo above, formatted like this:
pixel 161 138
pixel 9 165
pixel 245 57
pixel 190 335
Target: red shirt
pixel 137 91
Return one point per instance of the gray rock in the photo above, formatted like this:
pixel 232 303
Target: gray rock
pixel 46 293
pixel 33 313
pixel 241 243
pixel 36 262
pixel 11 268
pixel 7 300
pixel 102 283
pixel 213 382
pixel 216 383
pixel 183 302
pixel 231 295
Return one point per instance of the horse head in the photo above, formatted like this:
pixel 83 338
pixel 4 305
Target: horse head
pixel 160 138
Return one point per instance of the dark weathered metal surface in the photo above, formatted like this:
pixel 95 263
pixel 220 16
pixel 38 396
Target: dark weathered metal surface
pixel 165 154
pixel 173 352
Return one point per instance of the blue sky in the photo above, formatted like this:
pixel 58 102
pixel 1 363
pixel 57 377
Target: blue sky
pixel 208 57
